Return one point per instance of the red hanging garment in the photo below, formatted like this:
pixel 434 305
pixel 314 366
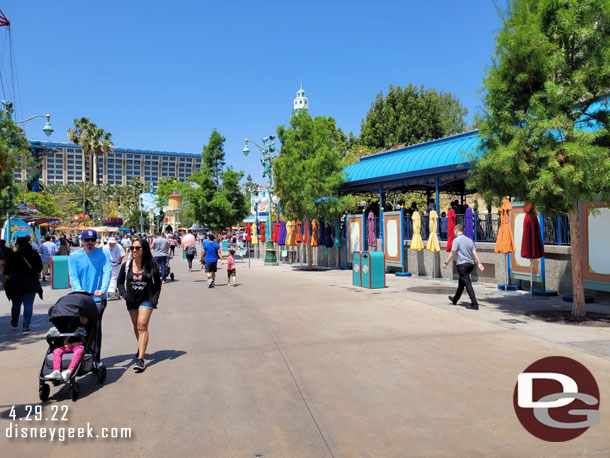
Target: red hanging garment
pixel 248 232
pixel 276 232
pixel 451 222
pixel 305 231
pixel 262 236
pixel 299 232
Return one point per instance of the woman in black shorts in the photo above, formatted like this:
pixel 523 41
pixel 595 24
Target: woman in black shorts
pixel 139 283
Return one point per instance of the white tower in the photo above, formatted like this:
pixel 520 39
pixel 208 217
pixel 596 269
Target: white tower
pixel 301 102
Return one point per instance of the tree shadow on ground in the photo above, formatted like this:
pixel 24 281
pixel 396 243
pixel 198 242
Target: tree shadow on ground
pixel 11 338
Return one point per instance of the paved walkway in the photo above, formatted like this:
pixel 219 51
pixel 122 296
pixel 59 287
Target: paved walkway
pixel 301 364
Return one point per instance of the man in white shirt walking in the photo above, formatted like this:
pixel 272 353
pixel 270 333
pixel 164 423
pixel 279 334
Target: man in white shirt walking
pixel 46 250
pixel 117 253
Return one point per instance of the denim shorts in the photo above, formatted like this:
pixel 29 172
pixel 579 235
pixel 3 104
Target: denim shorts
pixel 144 305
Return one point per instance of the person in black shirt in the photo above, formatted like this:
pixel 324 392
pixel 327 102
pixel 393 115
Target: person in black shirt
pixel 139 283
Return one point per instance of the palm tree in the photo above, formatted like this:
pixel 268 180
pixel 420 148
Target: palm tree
pixel 95 142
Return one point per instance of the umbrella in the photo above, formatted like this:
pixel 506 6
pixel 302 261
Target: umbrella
pixel 124 229
pixel 328 239
pixel 433 238
pixel 299 232
pixel 254 237
pixel 321 233
pixel 450 235
pixel 292 233
pixel 532 246
pixel 188 239
pixel 248 232
pixel 314 232
pixel 504 242
pixel 282 237
pixel 263 235
pixel 337 243
pixel 417 244
pixel 276 232
pixel 305 229
pixel 371 240
pixel 469 225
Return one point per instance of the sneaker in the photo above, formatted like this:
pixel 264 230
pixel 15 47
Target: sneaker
pixel 14 325
pixel 140 365
pixel 210 283
pixel 55 375
pixel 26 330
pixel 65 375
pixel 452 299
pixel 474 306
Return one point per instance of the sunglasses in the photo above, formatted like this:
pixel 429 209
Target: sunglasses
pixel 89 240
pixel 135 248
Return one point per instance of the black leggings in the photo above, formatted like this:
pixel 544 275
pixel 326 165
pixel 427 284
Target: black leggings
pixel 189 259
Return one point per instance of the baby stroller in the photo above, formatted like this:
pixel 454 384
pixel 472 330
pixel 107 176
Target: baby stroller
pixel 65 316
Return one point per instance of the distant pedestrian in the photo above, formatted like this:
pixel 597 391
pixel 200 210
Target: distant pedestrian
pixel 64 247
pixel 210 254
pixel 172 245
pixel 191 252
pixel 466 254
pixel 231 272
pixel 23 268
pixel 139 284
pixel 160 250
pixel 47 250
pixel 117 254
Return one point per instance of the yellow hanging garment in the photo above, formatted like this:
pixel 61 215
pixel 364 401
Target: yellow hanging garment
pixel 254 236
pixel 417 244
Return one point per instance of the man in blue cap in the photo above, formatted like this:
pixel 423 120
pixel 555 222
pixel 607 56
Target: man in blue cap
pixel 90 271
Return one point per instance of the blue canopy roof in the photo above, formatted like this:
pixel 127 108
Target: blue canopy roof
pixel 416 165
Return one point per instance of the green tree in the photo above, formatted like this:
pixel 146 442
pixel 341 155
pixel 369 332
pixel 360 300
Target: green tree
pixel 13 147
pixel 309 167
pixel 410 115
pixel 250 187
pixel 95 142
pixel 216 200
pixel 545 133
pixel 213 156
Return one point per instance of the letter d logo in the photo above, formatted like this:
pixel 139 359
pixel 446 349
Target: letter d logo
pixel 556 399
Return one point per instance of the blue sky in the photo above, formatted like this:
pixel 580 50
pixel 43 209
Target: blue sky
pixel 161 75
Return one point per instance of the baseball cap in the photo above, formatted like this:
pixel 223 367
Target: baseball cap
pixel 112 240
pixel 88 234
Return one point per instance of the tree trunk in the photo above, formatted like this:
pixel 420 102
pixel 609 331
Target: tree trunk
pixel 84 198
pixel 309 247
pixel 578 291
pixel 99 190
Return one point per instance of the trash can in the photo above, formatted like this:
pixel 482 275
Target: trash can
pixel 372 269
pixel 356 273
pixel 60 276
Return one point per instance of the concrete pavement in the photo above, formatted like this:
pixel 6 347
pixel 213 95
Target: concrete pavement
pixel 301 364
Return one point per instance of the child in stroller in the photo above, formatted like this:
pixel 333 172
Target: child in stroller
pixel 72 344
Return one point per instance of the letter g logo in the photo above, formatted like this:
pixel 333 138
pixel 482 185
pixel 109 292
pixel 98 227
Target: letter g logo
pixel 560 386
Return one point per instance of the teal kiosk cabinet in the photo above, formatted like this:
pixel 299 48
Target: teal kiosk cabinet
pixel 60 278
pixel 356 271
pixel 372 269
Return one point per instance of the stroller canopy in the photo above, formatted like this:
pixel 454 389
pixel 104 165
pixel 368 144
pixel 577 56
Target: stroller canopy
pixel 75 305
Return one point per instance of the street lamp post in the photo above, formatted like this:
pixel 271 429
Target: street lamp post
pixel 267 162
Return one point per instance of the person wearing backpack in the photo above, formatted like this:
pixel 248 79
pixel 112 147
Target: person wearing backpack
pixel 191 252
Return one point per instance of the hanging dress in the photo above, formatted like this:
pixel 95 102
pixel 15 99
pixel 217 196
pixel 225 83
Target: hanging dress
pixel 505 242
pixel 417 244
pixel 450 234
pixel 433 244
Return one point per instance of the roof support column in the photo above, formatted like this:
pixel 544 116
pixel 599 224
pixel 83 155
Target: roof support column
pixel 381 216
pixel 437 181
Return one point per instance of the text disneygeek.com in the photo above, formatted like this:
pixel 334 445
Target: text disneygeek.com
pixel 61 433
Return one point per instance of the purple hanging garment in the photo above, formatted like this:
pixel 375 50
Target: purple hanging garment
pixel 371 239
pixel 328 239
pixel 469 225
pixel 283 234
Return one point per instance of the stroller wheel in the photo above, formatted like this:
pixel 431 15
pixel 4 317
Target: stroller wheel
pixel 171 276
pixel 74 390
pixel 101 374
pixel 43 392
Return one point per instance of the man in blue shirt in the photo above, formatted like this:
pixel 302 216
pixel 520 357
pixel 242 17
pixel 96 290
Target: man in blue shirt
pixel 47 250
pixel 90 271
pixel 210 255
